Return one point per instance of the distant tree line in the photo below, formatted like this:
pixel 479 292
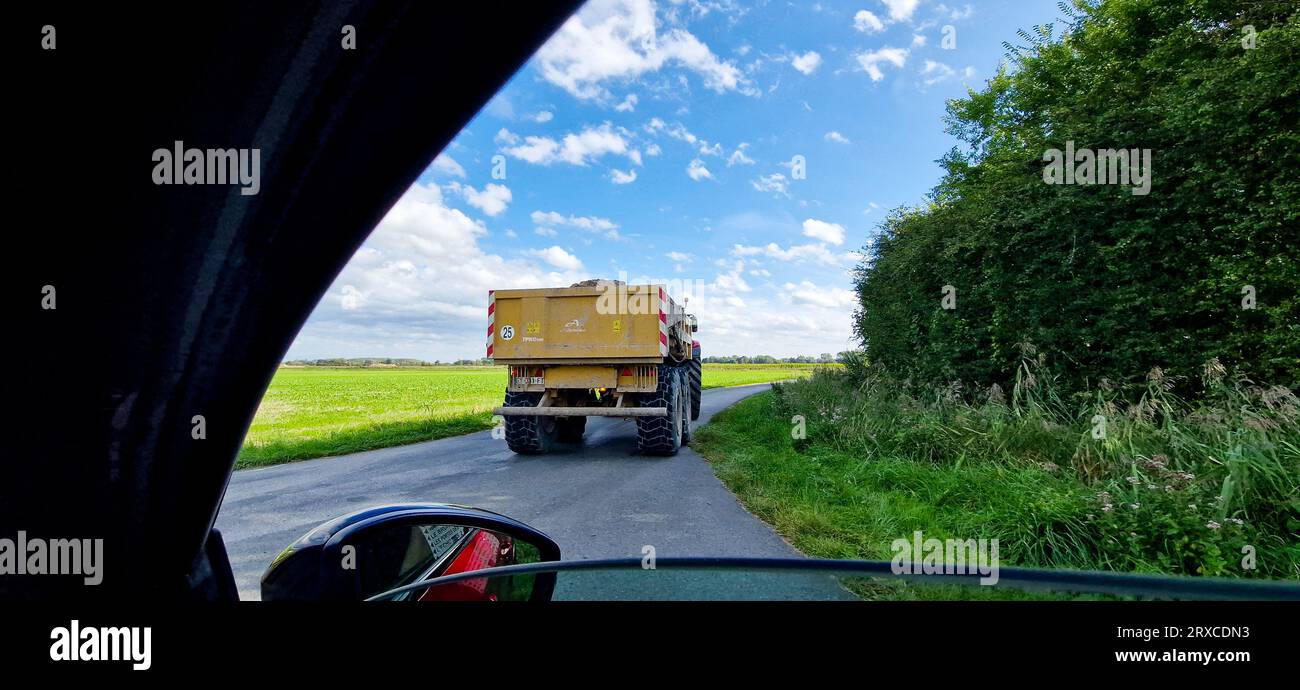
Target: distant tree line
pixel 382 362
pixel 823 358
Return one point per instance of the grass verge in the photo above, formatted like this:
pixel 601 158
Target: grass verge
pixel 1182 494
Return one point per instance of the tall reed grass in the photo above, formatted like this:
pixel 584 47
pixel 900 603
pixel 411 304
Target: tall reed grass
pixel 1148 481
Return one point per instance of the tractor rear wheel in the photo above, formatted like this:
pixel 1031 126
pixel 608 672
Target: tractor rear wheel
pixel 662 435
pixel 696 376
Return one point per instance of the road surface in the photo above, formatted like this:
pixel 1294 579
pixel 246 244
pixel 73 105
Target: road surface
pixel 597 500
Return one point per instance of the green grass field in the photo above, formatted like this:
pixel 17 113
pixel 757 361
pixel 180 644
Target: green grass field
pixel 720 375
pixel 312 412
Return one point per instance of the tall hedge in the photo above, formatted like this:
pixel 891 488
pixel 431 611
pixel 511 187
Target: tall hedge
pixel 1105 282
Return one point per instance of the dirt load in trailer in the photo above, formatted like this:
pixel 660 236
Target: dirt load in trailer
pixel 599 348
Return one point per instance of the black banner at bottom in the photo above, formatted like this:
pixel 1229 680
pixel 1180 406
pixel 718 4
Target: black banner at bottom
pixel 932 637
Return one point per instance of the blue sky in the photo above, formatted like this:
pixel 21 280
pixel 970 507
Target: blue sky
pixel 663 140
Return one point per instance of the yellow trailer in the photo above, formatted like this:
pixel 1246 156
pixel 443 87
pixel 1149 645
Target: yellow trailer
pixel 598 348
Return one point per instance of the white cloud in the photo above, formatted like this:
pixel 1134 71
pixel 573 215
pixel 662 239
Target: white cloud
pixel 955 14
pixel 703 147
pixel 714 150
pixel 592 224
pixel 545 232
pixel 352 299
pixel 737 317
pixel 806 63
pixel 653 150
pixel 680 257
pixel 821 230
pixel 763 323
pixel 696 170
pixel 901 10
pixel 592 143
pixel 703 8
pixel 775 183
pixel 418 287
pixel 837 138
pixel 500 107
pixel 738 156
pixel 867 22
pixel 544 116
pixel 558 258
pixel 492 200
pixel 446 164
pixel 731 282
pixel 676 130
pixel 574 148
pixel 918 40
pixel 618 40
pixel 806 292
pixel 505 136
pixel 584 222
pixel 870 61
pixel 935 72
pixel 628 104
pixel 816 253
pixel 541 150
pixel 620 177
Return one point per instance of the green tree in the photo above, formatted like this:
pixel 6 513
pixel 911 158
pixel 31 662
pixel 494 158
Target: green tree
pixel 1105 282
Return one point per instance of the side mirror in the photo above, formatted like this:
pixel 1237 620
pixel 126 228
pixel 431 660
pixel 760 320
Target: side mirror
pixel 367 553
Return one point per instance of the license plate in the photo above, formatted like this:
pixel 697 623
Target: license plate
pixel 529 381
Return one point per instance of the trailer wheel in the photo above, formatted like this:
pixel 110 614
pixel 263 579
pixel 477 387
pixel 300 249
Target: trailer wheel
pixel 696 376
pixel 662 435
pixel 529 435
pixel 570 429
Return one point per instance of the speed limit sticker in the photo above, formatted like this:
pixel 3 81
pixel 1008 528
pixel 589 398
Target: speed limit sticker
pixel 507 332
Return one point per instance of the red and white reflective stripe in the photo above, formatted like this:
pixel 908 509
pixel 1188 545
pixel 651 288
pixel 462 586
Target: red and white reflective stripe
pixel 663 323
pixel 492 317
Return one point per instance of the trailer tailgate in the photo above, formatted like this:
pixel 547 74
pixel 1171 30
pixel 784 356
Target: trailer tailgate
pixel 611 323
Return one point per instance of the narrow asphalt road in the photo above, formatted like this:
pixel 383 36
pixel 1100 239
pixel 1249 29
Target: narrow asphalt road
pixel 599 499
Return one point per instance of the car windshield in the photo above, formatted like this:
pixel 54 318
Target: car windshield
pixel 985 283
